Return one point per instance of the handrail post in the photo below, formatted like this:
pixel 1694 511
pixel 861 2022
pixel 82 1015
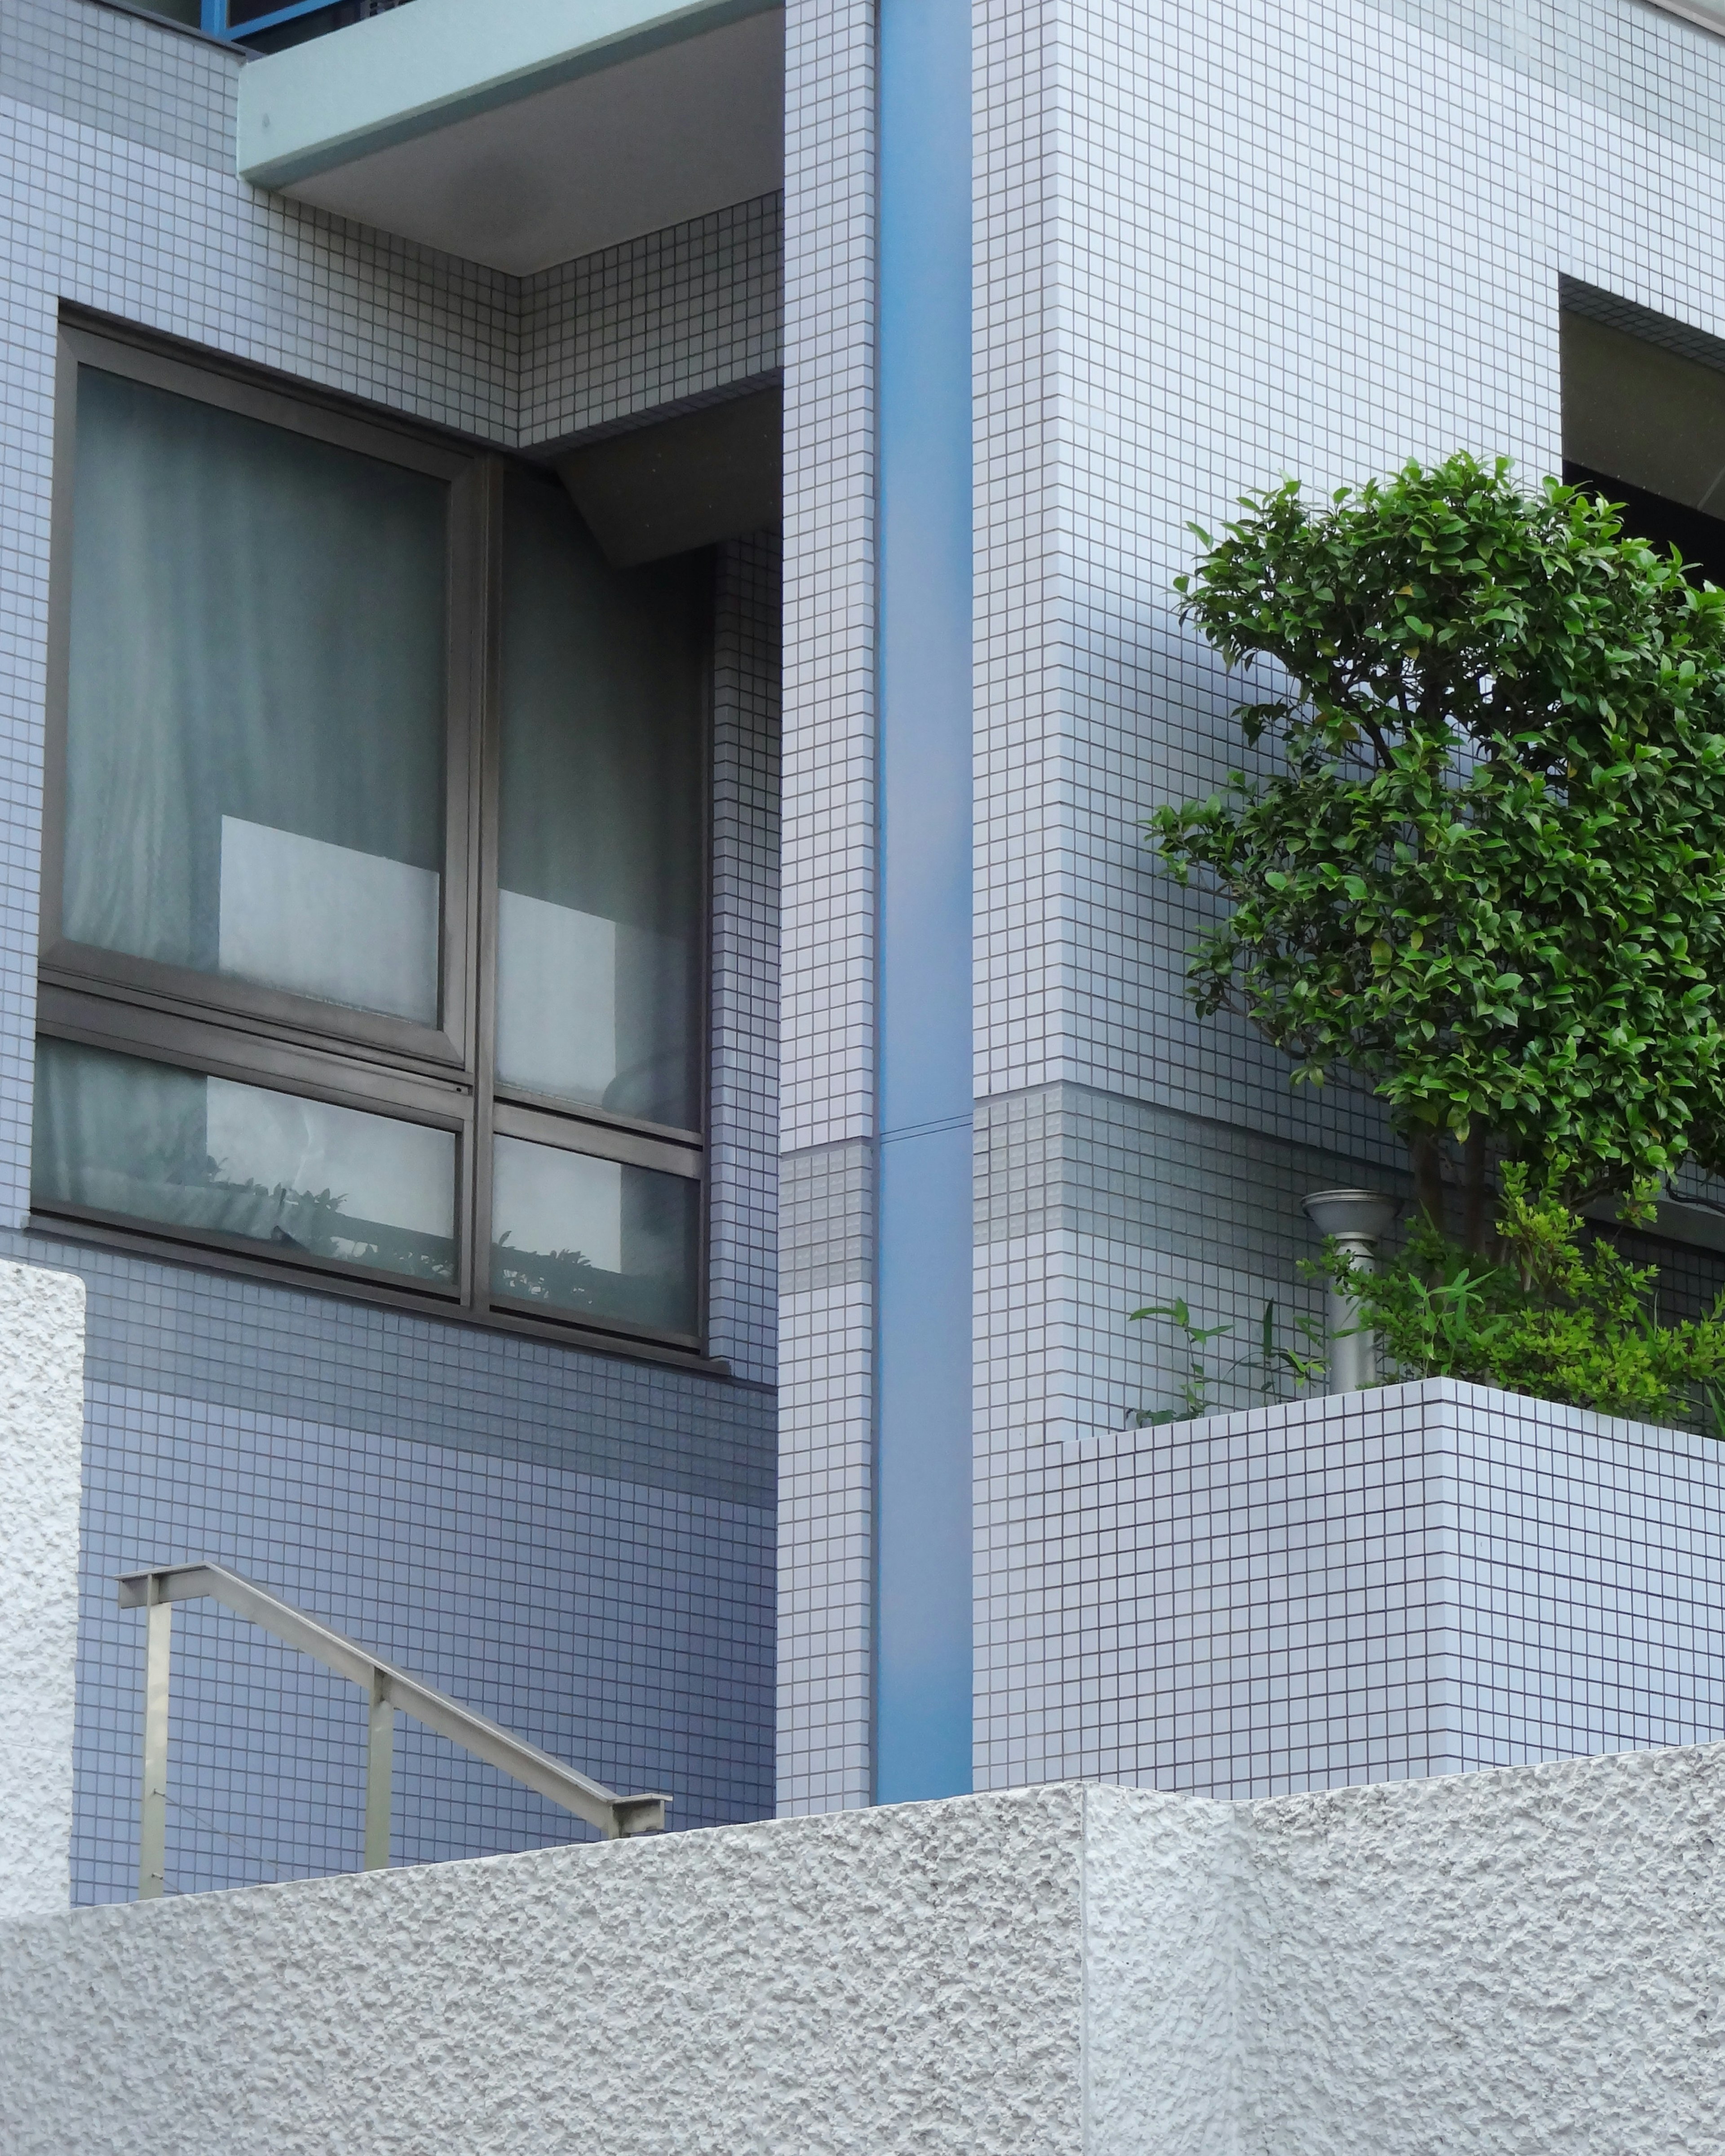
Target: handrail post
pixel 153 1824
pixel 380 1765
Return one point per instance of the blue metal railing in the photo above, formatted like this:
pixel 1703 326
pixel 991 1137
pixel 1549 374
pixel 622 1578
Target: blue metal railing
pixel 238 19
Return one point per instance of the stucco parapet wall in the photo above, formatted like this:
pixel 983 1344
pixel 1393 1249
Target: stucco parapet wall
pixel 1519 1962
pixel 41 1463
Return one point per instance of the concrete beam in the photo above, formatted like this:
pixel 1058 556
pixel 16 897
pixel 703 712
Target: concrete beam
pixel 403 75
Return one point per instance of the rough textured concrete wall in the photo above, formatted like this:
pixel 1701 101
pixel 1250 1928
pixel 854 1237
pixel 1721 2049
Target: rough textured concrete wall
pixel 1162 2038
pixel 1510 1964
pixel 870 1982
pixel 41 1449
pixel 1488 1964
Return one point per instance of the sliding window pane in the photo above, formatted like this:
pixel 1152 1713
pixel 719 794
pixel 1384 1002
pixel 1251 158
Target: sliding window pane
pixel 256 709
pixel 149 1142
pixel 595 1238
pixel 600 915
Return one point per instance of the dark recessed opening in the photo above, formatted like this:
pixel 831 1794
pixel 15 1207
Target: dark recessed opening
pixel 1644 426
pixel 1699 537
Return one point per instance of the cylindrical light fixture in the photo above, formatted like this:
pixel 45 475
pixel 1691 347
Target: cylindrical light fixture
pixel 1354 1219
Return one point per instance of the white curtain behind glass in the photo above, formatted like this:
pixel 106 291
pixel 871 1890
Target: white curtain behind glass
pixel 256 702
pixel 600 827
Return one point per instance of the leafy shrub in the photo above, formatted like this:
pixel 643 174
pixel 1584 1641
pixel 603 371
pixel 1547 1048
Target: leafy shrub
pixel 1486 875
pixel 1559 1315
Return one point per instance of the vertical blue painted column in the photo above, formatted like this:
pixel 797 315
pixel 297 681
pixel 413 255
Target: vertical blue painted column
pixel 923 1659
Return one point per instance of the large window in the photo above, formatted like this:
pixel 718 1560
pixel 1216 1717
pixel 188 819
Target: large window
pixel 374 882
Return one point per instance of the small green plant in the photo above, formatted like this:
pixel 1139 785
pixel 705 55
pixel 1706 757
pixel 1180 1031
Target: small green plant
pixel 1268 1363
pixel 1555 1312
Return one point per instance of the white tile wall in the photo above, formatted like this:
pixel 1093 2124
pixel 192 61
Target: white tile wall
pixel 827 1011
pixel 1422 1579
pixel 233 1408
pixel 1215 246
pixel 115 142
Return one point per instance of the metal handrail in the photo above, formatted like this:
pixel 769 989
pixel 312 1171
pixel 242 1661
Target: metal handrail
pixel 388 1689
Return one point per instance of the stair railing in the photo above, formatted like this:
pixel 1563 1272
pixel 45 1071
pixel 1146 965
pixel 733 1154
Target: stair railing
pixel 388 1689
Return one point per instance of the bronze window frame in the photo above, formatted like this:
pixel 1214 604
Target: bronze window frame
pixel 442 1075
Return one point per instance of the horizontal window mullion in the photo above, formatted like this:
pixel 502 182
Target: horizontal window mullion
pixel 554 1109
pixel 221 999
pixel 605 1141
pixel 227 1052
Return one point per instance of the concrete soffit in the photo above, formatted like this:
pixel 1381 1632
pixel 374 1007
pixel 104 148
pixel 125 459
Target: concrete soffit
pixel 525 136
pixel 1705 14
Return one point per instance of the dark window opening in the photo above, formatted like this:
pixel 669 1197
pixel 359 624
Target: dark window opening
pixel 1700 538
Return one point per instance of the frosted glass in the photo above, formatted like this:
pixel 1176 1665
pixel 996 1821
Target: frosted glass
pixel 560 1202
pixel 257 641
pixel 563 1040
pixel 579 1235
pixel 354 928
pixel 147 1142
pixel 600 819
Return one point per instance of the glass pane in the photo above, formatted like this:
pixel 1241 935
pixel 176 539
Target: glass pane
pixel 256 729
pixel 154 1143
pixel 594 1236
pixel 600 914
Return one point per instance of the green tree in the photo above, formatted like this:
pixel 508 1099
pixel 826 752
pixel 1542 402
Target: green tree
pixel 1487 872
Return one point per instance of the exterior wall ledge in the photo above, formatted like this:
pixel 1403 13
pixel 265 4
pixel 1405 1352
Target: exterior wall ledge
pixel 1419 1395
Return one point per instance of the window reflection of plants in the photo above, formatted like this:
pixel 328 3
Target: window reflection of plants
pixel 568 1280
pixel 200 1195
pixel 315 1222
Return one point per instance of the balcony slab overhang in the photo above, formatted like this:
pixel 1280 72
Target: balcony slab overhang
pixel 524 135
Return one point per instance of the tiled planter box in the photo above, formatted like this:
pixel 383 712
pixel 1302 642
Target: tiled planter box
pixel 1415 1580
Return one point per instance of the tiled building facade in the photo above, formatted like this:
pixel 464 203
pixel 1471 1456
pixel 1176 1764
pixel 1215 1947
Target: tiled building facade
pixel 1316 240
pixel 1211 249
pixel 579 1544
pixel 1208 248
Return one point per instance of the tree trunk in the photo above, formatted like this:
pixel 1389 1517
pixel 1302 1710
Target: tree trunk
pixel 1476 1215
pixel 1427 1153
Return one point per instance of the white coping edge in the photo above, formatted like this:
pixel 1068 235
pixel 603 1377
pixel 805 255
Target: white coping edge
pixel 1066 1438
pixel 407 72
